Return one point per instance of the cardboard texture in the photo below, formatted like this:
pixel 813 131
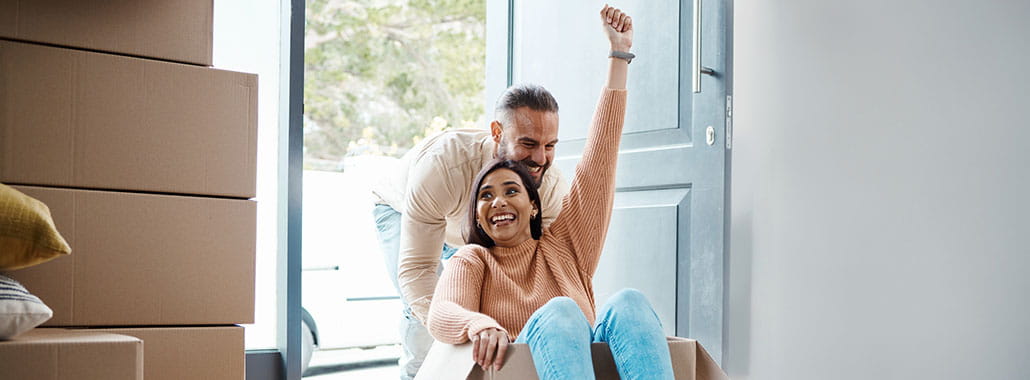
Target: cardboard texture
pixel 195 353
pixel 143 259
pixel 690 361
pixel 99 121
pixel 46 354
pixel 179 30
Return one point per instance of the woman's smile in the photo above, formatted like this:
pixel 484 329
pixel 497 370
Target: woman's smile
pixel 503 219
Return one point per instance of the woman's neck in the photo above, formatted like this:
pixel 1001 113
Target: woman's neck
pixel 526 246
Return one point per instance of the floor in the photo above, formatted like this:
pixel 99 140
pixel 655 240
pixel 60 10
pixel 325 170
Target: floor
pixel 379 363
pixel 377 373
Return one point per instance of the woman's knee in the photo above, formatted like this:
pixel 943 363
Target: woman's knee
pixel 629 298
pixel 628 304
pixel 562 313
pixel 563 307
pixel 627 311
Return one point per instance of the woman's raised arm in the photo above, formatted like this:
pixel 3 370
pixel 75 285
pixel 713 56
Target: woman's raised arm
pixel 586 209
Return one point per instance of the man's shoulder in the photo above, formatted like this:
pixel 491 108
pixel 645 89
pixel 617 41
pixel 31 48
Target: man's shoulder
pixel 437 162
pixel 453 145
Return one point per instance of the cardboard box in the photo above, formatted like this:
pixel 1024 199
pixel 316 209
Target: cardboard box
pixel 99 121
pixel 177 30
pixel 195 353
pixel 46 354
pixel 144 259
pixel 690 361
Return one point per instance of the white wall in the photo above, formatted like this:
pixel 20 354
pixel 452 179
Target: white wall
pixel 880 190
pixel 246 39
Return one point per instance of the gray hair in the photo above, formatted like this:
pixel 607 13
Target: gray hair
pixel 533 96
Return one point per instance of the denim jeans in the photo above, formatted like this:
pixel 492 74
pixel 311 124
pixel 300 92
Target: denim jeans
pixel 559 338
pixel 415 338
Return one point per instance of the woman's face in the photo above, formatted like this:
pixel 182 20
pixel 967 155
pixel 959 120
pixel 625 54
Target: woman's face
pixel 503 208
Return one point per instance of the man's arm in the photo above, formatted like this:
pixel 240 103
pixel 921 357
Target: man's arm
pixel 428 196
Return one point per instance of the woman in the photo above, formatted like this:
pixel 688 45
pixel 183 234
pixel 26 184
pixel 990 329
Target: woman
pixel 515 279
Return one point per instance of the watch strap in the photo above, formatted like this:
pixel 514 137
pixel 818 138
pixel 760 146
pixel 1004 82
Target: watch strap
pixel 627 56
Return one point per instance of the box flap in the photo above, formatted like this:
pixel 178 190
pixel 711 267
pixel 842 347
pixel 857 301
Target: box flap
pixel 683 352
pixel 447 362
pixel 707 368
pixel 518 365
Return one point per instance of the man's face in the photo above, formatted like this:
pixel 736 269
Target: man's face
pixel 530 138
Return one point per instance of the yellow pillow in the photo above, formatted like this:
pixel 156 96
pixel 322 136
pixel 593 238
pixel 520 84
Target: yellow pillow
pixel 27 233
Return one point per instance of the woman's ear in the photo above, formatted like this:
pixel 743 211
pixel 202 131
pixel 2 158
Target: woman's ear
pixel 533 214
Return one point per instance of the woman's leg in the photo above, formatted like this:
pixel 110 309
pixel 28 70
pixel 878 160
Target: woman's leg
pixel 559 338
pixel 629 325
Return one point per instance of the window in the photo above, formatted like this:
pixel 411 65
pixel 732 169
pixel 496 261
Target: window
pixel 379 77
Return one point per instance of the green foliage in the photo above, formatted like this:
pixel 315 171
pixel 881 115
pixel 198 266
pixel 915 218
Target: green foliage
pixel 382 74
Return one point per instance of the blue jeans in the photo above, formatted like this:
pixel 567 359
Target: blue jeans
pixel 559 338
pixel 415 338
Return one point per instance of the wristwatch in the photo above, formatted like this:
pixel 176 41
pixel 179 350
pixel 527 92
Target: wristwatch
pixel 622 55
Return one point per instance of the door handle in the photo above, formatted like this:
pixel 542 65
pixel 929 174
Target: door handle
pixel 696 68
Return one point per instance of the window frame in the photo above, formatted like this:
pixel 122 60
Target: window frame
pixel 283 362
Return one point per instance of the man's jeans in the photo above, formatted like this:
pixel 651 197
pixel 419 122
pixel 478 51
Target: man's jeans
pixel 415 339
pixel 559 338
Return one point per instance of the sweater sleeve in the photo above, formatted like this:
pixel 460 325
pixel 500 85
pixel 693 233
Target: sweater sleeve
pixel 587 209
pixel 453 314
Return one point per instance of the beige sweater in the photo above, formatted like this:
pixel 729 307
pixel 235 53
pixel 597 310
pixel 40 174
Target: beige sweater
pixel 430 188
pixel 501 287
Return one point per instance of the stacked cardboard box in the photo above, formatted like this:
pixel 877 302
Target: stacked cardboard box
pixel 111 115
pixel 51 354
pixel 167 30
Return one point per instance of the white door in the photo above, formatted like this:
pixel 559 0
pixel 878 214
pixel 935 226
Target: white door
pixel 667 230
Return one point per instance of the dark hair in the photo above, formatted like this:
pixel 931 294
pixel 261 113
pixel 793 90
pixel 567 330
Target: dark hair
pixel 474 233
pixel 534 96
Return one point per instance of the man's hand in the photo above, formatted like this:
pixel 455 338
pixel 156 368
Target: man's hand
pixel 488 348
pixel 619 28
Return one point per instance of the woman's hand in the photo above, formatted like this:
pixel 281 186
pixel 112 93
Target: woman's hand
pixel 619 28
pixel 488 348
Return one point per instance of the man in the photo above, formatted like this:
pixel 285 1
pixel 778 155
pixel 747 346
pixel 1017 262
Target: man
pixel 421 208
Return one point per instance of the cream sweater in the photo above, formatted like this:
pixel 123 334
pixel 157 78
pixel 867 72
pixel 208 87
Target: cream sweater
pixel 501 287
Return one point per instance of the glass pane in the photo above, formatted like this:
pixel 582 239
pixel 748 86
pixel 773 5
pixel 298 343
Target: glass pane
pixel 246 38
pixel 542 58
pixel 380 75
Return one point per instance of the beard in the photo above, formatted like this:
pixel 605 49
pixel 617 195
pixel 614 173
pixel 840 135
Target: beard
pixel 538 177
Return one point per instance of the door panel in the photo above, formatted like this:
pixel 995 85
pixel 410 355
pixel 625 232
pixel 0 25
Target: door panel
pixel 667 229
pixel 649 216
pixel 567 56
